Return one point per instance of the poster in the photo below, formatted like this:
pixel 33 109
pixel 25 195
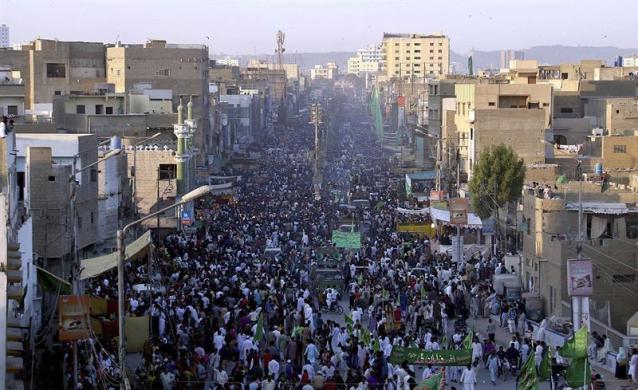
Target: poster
pixel 350 240
pixel 74 317
pixel 580 278
pixel 458 211
pixel 418 228
pixel 445 357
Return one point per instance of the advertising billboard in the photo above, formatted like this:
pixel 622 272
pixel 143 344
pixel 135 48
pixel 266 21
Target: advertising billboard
pixel 580 278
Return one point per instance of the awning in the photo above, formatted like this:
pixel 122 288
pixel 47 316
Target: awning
pixel 599 208
pixel 425 175
pixel 97 265
pixel 53 283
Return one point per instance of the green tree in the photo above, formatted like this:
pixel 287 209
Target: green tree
pixel 498 178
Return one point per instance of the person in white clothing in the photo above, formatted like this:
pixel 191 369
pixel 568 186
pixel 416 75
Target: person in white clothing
pixel 468 378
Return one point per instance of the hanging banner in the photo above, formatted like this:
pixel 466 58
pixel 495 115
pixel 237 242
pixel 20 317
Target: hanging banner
pixel 580 278
pixel 458 211
pixel 350 240
pixel 445 357
pixel 74 317
pixel 419 228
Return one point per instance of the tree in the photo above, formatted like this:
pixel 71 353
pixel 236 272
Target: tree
pixel 498 178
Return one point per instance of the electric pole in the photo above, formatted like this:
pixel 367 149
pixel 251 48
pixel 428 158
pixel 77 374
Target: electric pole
pixel 316 119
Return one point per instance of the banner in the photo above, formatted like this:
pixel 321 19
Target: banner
pixel 350 240
pixel 74 317
pixel 435 382
pixel 578 373
pixel 458 211
pixel 136 330
pixel 416 228
pixel 580 278
pixel 445 357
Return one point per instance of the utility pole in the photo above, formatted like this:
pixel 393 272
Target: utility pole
pixel 316 119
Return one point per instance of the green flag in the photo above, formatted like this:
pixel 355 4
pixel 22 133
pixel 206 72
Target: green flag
pixel 365 336
pixel 259 332
pixel 379 205
pixel 576 346
pixel 423 292
pixel 348 321
pixel 562 179
pixel 467 341
pixel 545 370
pixel 375 345
pixel 528 380
pixel 385 294
pixel 579 372
pixel 432 383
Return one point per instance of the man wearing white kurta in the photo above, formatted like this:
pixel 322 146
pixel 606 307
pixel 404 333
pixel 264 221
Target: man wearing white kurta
pixel 468 378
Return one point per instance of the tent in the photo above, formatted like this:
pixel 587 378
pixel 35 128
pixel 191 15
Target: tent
pixel 97 265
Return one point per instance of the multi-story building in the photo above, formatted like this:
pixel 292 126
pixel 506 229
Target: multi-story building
pixel 182 69
pixel 4 36
pixel 11 93
pixel 505 56
pixel 328 72
pixel 517 115
pixel 408 55
pixel 631 61
pixel 367 60
pixel 228 61
pixel 610 228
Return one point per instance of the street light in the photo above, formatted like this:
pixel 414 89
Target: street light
pixel 121 251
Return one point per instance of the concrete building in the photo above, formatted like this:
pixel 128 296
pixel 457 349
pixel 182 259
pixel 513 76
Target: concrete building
pixel 407 55
pixel 60 68
pixel 4 36
pixel 516 115
pixel 45 162
pixel 631 61
pixel 610 227
pixel 367 60
pixel 114 197
pixel 228 61
pixel 241 121
pixel 620 152
pixel 328 72
pixel 182 69
pixel 11 93
pixel 505 56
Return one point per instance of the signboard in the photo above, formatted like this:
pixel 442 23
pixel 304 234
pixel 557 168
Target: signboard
pixel 419 228
pixel 350 240
pixel 186 218
pixel 401 101
pixel 437 196
pixel 458 211
pixel 418 356
pixel 489 226
pixel 457 245
pixel 580 278
pixel 74 317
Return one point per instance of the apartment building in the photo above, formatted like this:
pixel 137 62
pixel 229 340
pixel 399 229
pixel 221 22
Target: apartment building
pixel 367 60
pixel 516 115
pixel 11 93
pixel 182 69
pixel 415 55
pixel 328 72
pixel 5 40
pixel 505 56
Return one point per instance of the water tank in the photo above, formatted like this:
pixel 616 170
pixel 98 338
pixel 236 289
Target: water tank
pixel 116 142
pixel 598 169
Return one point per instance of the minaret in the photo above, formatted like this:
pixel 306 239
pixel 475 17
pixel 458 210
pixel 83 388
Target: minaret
pixel 182 132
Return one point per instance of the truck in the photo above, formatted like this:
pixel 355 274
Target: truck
pixel 508 286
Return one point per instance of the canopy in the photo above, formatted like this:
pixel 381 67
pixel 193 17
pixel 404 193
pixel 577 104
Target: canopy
pixel 425 175
pixel 97 265
pixel 53 283
pixel 600 208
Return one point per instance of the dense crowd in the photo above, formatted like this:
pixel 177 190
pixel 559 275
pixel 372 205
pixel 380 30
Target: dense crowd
pixel 237 304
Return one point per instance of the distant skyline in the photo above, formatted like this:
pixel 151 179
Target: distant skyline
pixel 249 26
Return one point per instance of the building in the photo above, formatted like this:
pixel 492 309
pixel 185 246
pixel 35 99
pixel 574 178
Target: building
pixel 517 115
pixel 11 93
pixel 631 61
pixel 228 61
pixel 4 36
pixel 328 72
pixel 367 60
pixel 242 124
pixel 620 152
pixel 610 228
pixel 407 55
pixel 157 65
pixel 114 197
pixel 505 56
pixel 45 164
pixel 292 70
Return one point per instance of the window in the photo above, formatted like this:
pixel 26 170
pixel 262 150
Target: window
pixel 417 58
pixel 545 104
pixel 21 183
pixel 92 218
pixel 531 105
pixel 417 51
pixel 431 43
pixel 620 148
pixel 51 178
pixel 440 43
pixel 564 76
pixel 163 72
pixel 56 70
pixel 12 110
pixel 109 110
pixel 93 175
pixel 79 222
pixel 431 58
pixel 617 111
pixel 396 58
pixel 440 51
pixel 407 58
pixel 626 278
pixel 491 104
pixel 80 109
pixel 98 109
pixel 566 110
pixel 417 44
pixel 167 171
pixel 431 51
pixel 57 93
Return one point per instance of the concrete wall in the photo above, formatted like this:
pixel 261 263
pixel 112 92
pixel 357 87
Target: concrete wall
pixel 421 54
pixel 146 183
pixel 621 115
pixel 620 152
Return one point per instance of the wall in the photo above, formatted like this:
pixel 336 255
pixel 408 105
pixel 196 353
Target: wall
pixel 146 183
pixel 421 54
pixel 621 114
pixel 615 159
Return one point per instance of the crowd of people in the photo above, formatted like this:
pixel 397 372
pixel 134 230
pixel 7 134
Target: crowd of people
pixel 236 305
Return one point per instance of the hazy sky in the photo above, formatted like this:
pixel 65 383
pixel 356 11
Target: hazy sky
pixel 249 26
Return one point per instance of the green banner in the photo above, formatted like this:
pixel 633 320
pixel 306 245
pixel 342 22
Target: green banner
pixel 350 240
pixel 528 379
pixel 576 346
pixel 445 357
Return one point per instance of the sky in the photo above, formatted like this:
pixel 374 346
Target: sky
pixel 250 26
